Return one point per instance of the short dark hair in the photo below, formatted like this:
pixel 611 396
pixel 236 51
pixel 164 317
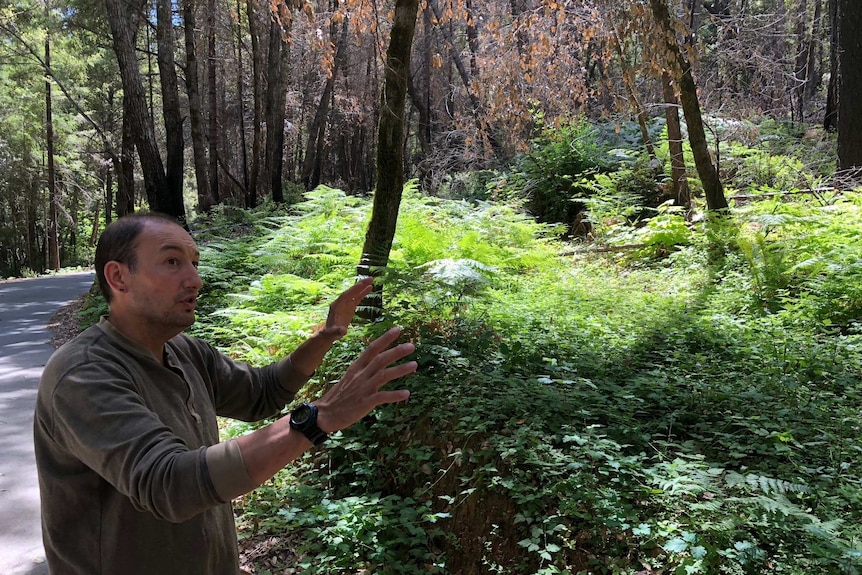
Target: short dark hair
pixel 117 243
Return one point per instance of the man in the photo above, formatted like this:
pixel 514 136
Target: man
pixel 132 475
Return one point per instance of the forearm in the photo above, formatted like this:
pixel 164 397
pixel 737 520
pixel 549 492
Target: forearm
pixel 303 361
pixel 270 448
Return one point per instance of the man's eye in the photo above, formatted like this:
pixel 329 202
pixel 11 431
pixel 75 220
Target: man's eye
pixel 172 261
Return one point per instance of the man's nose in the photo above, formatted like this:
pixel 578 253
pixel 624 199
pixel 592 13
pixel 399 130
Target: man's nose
pixel 193 279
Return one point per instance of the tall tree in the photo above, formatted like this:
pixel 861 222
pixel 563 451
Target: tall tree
pixel 196 116
pixel 849 85
pixel 53 194
pixel 681 68
pixel 390 150
pixel 312 165
pixel 171 113
pixel 123 18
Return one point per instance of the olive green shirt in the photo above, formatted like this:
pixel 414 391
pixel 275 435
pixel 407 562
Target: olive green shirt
pixel 133 478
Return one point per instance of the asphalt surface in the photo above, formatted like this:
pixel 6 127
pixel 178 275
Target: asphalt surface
pixel 26 307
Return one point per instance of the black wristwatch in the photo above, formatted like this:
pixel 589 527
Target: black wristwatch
pixel 304 419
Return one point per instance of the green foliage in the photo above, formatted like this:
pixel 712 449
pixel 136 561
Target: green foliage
pixel 550 177
pixel 610 413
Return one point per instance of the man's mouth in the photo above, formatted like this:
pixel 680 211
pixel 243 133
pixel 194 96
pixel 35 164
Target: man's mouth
pixel 190 301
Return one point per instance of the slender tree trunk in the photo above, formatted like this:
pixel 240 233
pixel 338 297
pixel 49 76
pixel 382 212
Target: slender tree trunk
pixel 257 145
pixel 679 179
pixel 199 152
pixel 312 163
pixel 53 196
pixel 390 151
pixel 275 100
pixel 634 101
pixel 830 118
pixel 814 54
pixel 126 168
pixel 172 116
pixel 475 105
pixel 108 199
pixel 706 170
pixel 240 90
pixel 801 74
pixel 213 132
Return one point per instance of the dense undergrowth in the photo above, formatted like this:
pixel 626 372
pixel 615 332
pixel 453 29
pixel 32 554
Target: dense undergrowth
pixel 679 394
pixel 691 406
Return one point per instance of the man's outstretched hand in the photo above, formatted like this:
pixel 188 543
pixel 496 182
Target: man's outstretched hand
pixel 307 357
pixel 359 391
pixel 342 310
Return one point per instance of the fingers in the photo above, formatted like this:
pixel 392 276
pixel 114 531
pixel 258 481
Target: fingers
pixel 378 347
pixel 392 396
pixel 356 292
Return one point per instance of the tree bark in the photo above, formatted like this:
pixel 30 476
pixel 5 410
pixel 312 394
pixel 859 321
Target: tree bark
pixel 312 163
pixel 706 170
pixel 199 152
pixel 53 196
pixel 257 145
pixel 171 114
pixel 830 117
pixel 213 132
pixel 849 85
pixel 123 19
pixel 278 61
pixel 126 168
pixel 678 176
pixel 390 152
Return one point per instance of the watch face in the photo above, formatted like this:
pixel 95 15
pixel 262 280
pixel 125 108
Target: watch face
pixel 301 414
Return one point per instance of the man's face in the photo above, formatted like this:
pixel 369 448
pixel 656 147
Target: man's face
pixel 164 284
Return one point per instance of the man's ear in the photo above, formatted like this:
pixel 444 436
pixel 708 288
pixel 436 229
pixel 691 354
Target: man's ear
pixel 116 274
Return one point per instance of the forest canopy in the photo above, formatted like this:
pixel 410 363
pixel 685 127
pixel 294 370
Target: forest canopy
pixel 115 106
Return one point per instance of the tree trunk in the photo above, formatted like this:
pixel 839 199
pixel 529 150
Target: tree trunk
pixel 815 51
pixel 213 133
pixel 240 90
pixel 254 26
pixel 390 152
pixel 123 25
pixel 312 163
pixel 849 85
pixel 830 118
pixel 199 153
pixel 126 168
pixel 275 99
pixel 706 170
pixel 53 198
pixel 679 179
pixel 801 71
pixel 634 101
pixel 171 114
pixel 475 105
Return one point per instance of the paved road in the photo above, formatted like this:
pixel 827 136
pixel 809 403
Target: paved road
pixel 26 307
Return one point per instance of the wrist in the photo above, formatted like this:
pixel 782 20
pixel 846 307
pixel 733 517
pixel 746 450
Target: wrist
pixel 304 419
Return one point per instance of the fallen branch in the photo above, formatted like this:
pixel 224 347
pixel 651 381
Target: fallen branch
pixel 814 191
pixel 603 249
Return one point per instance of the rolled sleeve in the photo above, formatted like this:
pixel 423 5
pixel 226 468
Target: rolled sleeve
pixel 227 470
